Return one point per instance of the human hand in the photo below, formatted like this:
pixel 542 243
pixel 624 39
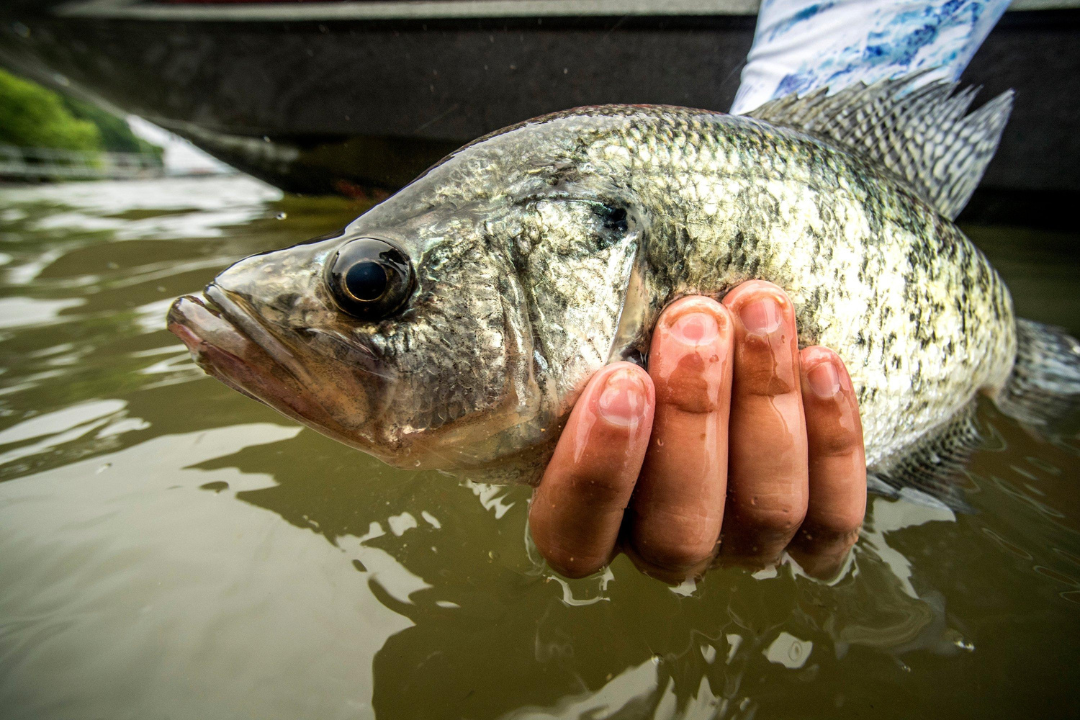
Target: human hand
pixel 732 428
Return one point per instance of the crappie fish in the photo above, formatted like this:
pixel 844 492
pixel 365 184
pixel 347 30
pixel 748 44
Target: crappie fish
pixel 453 325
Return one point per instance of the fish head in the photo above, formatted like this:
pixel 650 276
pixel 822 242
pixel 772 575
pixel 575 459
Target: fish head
pixel 449 327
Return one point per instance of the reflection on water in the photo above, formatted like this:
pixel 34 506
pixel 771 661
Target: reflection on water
pixel 169 548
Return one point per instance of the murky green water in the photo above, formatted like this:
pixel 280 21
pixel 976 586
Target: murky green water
pixel 171 549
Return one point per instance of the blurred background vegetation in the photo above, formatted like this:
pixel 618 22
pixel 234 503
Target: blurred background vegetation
pixel 32 116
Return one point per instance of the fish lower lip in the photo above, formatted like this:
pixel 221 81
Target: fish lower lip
pixel 221 350
pixel 224 350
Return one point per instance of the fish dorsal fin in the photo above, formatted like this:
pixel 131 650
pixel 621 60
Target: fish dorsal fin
pixel 921 134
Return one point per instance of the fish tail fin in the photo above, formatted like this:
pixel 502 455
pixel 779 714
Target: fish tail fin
pixel 1043 390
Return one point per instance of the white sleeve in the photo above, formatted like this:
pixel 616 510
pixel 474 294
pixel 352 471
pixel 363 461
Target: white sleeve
pixel 801 45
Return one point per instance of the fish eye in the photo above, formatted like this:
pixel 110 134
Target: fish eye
pixel 370 279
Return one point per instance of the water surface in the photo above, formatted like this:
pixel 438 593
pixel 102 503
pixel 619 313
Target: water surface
pixel 172 549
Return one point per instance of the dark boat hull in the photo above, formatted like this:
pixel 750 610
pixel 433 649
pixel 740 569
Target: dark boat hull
pixel 359 106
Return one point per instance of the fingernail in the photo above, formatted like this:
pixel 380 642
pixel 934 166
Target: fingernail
pixel 823 379
pixel 761 317
pixel 695 328
pixel 623 399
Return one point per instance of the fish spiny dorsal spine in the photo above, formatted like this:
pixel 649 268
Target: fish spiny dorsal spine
pixel 919 133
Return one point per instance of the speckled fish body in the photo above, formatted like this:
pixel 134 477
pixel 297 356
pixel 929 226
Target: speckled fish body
pixel 546 250
pixel 914 309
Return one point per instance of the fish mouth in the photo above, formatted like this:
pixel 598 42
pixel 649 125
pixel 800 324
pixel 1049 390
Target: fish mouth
pixel 229 344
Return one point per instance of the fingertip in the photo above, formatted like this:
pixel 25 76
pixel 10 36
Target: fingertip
pixel 667 573
pixel 814 354
pixel 752 289
pixel 766 337
pixel 691 326
pixel 623 395
pixel 820 369
pixel 687 320
pixel 620 366
pixel 691 355
pixel 825 377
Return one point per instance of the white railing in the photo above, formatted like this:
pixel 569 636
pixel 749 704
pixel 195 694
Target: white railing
pixel 50 164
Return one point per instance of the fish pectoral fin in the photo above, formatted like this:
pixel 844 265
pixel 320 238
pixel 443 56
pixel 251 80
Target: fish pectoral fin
pixel 920 133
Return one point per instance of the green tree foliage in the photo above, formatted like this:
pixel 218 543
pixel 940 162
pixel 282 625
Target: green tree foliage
pixel 116 136
pixel 31 116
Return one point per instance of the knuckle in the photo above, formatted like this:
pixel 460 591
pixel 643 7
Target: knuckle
pixel 603 489
pixel 827 535
pixel 690 389
pixel 567 561
pixel 763 381
pixel 674 556
pixel 762 368
pixel 572 566
pixel 675 538
pixel 776 520
pixel 835 442
pixel 839 523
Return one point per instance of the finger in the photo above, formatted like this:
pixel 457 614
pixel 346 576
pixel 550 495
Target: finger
pixel 767 463
pixel 677 507
pixel 837 464
pixel 664 573
pixel 578 507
